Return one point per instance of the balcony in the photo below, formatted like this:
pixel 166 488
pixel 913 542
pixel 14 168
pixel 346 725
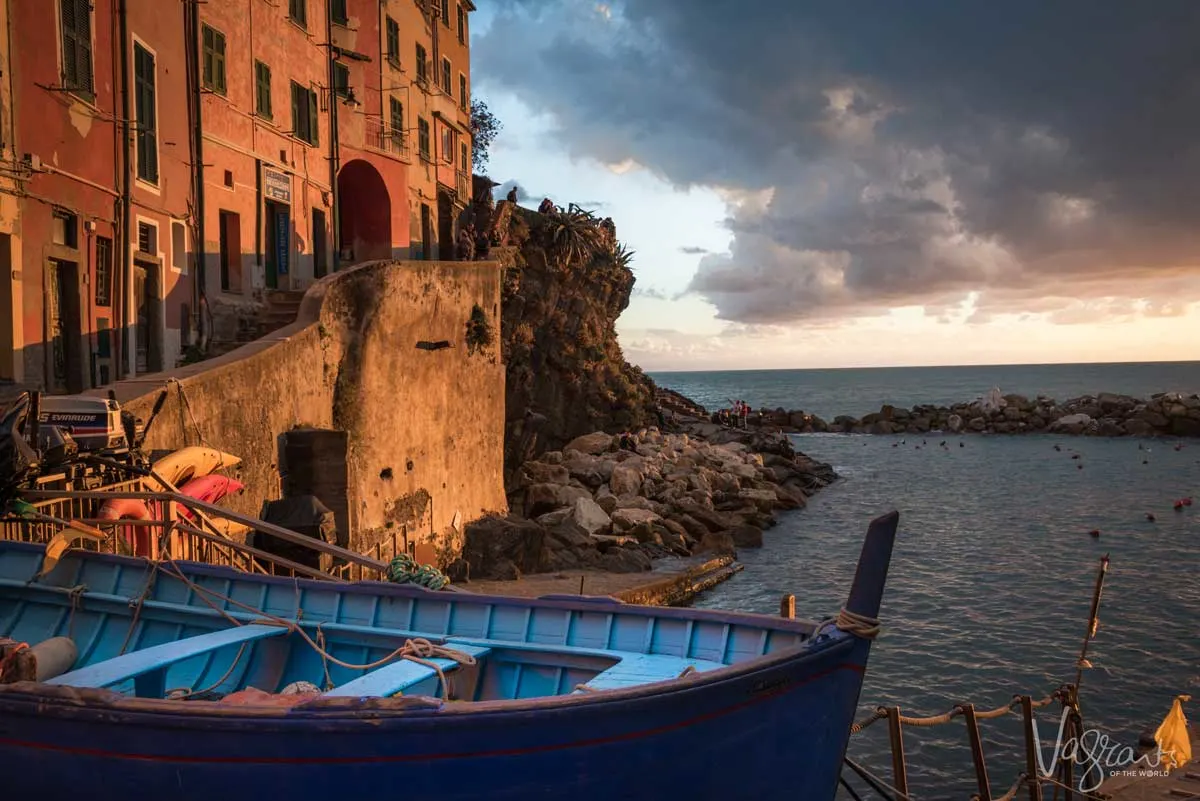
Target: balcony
pixel 389 140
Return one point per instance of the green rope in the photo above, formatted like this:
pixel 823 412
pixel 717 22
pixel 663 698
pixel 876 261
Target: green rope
pixel 405 570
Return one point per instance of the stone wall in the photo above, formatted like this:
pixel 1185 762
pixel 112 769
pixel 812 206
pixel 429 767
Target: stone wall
pixel 396 355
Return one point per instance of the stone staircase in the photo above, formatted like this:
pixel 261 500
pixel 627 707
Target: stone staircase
pixel 279 309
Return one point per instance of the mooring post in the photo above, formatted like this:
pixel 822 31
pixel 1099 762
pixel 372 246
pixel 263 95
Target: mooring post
pixel 981 777
pixel 787 607
pixel 1031 746
pixel 899 767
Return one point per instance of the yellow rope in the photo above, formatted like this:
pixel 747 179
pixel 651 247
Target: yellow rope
pixel 937 720
pixel 859 625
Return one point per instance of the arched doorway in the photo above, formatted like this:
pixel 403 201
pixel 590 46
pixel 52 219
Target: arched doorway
pixel 365 212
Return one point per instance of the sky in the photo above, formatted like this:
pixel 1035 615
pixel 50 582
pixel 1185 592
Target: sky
pixel 868 183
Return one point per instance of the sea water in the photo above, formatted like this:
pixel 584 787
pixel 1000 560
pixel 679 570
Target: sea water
pixel 992 576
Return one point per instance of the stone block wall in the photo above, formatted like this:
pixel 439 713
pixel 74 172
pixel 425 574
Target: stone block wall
pixel 381 352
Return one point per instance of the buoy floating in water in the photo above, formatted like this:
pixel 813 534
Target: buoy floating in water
pixel 1187 501
pixel 1179 505
pixel 1150 516
pixel 1095 533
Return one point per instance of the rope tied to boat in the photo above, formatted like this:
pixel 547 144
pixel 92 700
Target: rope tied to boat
pixel 10 658
pixel 859 625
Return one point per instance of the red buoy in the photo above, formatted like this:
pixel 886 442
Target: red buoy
pixel 1095 533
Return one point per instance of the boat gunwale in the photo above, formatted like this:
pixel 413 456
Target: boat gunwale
pixel 586 603
pixel 369 709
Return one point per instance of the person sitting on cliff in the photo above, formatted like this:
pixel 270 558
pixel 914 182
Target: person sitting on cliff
pixel 512 195
pixel 547 206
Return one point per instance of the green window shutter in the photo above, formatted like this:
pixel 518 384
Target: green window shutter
pixel 83 43
pixel 219 40
pixel 295 109
pixel 314 138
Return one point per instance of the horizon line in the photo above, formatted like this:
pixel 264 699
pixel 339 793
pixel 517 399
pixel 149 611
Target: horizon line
pixel 921 366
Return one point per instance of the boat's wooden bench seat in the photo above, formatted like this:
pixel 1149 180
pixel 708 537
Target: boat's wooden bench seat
pixel 401 674
pixel 635 669
pixel 148 667
pixel 630 669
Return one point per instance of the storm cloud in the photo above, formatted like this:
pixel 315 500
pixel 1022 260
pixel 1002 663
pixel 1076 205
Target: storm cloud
pixel 885 154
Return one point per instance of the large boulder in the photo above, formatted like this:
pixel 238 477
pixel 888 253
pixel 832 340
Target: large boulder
pixel 624 560
pixel 542 473
pixel 717 542
pixel 495 546
pixel 595 443
pixel 625 519
pixel 589 516
pixel 626 479
pixel 543 498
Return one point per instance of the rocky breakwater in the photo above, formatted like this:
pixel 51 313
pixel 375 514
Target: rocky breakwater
pixel 1104 415
pixel 603 504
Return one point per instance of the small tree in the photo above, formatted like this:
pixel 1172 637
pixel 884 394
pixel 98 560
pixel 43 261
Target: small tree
pixel 484 129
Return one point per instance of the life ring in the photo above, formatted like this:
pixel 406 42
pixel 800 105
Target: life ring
pixel 137 537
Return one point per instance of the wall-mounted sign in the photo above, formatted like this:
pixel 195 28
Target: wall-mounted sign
pixel 277 185
pixel 283 241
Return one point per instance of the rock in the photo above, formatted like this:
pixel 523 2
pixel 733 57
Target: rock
pixel 491 543
pixel 505 570
pixel 763 499
pixel 625 519
pixel 977 424
pixel 645 534
pixel 541 473
pixel 711 519
pixel 569 534
pixel 747 536
pixel 458 571
pixel 594 444
pixel 625 560
pixel 590 516
pixel 1072 423
pixel 542 498
pixel 553 518
pixel 626 479
pixel 1185 427
pixel 716 542
pixel 674 539
pixel 1138 428
pixel 695 529
pixel 954 423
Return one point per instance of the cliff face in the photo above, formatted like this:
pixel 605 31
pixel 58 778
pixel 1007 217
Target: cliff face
pixel 566 282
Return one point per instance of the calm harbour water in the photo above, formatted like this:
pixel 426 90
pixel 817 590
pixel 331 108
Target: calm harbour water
pixel 992 576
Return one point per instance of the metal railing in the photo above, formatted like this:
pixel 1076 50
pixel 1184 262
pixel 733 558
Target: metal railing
pixel 382 137
pixel 167 533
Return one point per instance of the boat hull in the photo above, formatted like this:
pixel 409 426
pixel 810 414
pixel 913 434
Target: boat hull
pixel 777 732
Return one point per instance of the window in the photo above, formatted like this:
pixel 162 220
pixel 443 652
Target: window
pixel 462 91
pixel 147 238
pixel 462 157
pixel 341 79
pixel 445 11
pixel 304 114
pixel 337 10
pixel 423 137
pixel 144 113
pixel 77 46
pixel 104 273
pixel 214 60
pixel 393 42
pixel 64 229
pixel 262 90
pixel 397 130
pixel 447 86
pixel 422 69
pixel 298 12
pixel 178 247
pixel 447 154
pixel 462 24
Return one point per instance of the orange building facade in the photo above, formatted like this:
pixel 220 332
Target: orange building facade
pixel 165 160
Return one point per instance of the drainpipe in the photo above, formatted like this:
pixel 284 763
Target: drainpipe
pixel 120 297
pixel 334 151
pixel 191 27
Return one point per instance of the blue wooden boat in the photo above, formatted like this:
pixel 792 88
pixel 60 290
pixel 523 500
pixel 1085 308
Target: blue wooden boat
pixel 562 697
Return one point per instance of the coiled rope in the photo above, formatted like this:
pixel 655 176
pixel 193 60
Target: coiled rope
pixel 403 569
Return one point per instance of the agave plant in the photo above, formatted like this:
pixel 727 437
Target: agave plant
pixel 622 256
pixel 571 236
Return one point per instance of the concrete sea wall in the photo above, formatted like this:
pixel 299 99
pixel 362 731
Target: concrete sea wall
pixel 404 357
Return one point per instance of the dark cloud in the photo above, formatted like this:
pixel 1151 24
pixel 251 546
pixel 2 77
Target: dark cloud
pixel 693 250
pixel 890 154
